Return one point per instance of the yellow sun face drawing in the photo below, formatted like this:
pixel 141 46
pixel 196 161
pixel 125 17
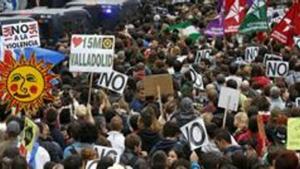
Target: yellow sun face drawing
pixel 26 83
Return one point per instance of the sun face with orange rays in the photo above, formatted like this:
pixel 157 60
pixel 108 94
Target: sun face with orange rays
pixel 24 84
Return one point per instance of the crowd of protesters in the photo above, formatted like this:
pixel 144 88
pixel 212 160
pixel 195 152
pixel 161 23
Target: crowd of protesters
pixel 148 136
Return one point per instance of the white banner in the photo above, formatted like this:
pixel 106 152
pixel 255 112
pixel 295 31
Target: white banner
pixel 277 68
pixel 195 133
pixel 113 80
pixel 21 35
pixel 108 152
pixel 92 53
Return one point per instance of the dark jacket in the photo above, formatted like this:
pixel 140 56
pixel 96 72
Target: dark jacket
pixel 57 136
pixel 165 145
pixel 149 139
pixel 129 158
pixel 54 150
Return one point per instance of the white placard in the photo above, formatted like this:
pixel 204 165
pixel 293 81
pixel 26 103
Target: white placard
pixel 92 164
pixel 113 80
pixel 298 102
pixel 21 35
pixel 251 53
pixel 229 98
pixel 195 133
pixel 108 151
pixel 297 41
pixel 197 79
pixel 277 68
pixel 271 57
pixel 182 58
pixel 179 1
pixel 1 49
pixel 92 53
pixel 202 54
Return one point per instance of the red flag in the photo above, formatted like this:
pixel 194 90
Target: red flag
pixel 235 15
pixel 288 27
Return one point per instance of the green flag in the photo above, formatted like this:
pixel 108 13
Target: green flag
pixel 187 30
pixel 256 18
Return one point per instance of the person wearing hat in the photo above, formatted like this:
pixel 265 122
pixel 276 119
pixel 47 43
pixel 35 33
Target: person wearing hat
pixel 11 134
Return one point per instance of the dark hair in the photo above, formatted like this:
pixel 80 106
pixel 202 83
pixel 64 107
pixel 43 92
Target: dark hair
pixel 181 163
pixel 49 165
pixel 253 124
pixel 210 160
pixel 105 162
pixel 19 162
pixel 51 116
pixel 222 134
pixel 147 117
pixel 133 121
pixel 72 162
pixel 159 160
pixel 132 140
pixel 74 130
pixel 88 132
pixel 287 160
pixel 232 84
pixel 170 129
pixel 257 70
pixel 177 66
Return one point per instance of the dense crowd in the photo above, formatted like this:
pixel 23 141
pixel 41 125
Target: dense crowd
pixel 146 130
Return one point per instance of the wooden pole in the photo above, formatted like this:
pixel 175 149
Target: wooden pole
pixel 226 112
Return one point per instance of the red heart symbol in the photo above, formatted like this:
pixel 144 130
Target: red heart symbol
pixel 77 41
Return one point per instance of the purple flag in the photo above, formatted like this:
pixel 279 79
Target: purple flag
pixel 250 2
pixel 216 27
pixel 220 5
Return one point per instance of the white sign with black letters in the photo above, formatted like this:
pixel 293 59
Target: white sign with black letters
pixel 251 53
pixel 298 101
pixel 113 80
pixel 196 78
pixel 21 35
pixel 92 164
pixel 202 54
pixel 108 152
pixel 277 68
pixel 195 133
pixel 269 57
pixel 229 98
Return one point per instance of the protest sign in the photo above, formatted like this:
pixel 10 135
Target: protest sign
pixel 179 1
pixel 293 134
pixel 1 49
pixel 196 78
pixel 113 80
pixel 297 41
pixel 26 83
pixel 251 53
pixel 271 57
pixel 195 133
pixel 21 35
pixel 202 54
pixel 108 152
pixel 164 82
pixel 277 68
pixel 298 102
pixel 28 136
pixel 92 164
pixel 92 53
pixel 229 98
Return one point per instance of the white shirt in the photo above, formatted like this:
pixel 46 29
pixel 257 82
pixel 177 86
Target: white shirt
pixel 117 140
pixel 41 158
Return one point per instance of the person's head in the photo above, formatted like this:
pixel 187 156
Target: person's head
pixel 257 70
pixel 19 162
pixel 210 160
pixel 287 160
pixel 44 130
pixel 13 129
pixel 105 162
pixel 88 133
pixel 181 164
pixel 186 105
pixel 275 92
pixel 222 139
pixel 133 142
pixel 73 130
pixel 51 116
pixel 159 160
pixel 140 91
pixel 147 118
pixel 241 120
pixel 232 84
pixel 170 130
pixel 72 162
pixel 116 123
pixel 174 154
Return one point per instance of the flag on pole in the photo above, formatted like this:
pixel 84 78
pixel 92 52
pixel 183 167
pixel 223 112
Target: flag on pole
pixel 234 16
pixel 256 18
pixel 216 27
pixel 187 30
pixel 289 26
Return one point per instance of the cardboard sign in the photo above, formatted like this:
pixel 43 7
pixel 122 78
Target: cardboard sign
pixel 293 134
pixel 21 35
pixel 196 78
pixel 113 80
pixel 92 53
pixel 195 133
pixel 229 98
pixel 298 102
pixel 202 54
pixel 28 136
pixel 108 151
pixel 251 53
pixel 271 57
pixel 277 68
pixel 164 82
